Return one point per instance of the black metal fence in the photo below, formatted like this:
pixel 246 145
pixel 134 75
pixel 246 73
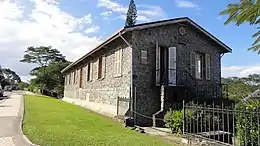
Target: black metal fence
pixel 225 124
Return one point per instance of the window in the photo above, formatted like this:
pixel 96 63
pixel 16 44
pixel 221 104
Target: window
pixel 69 78
pixel 143 57
pixel 80 78
pixel 89 72
pixel 200 65
pixel 74 76
pixel 101 67
pixel 118 62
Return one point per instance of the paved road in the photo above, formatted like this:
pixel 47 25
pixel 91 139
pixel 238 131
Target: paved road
pixel 11 110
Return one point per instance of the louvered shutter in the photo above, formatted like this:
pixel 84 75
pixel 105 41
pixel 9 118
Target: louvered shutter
pixel 90 71
pixel 120 61
pixel 172 66
pixel 193 63
pixel 157 72
pixel 103 66
pixel 208 65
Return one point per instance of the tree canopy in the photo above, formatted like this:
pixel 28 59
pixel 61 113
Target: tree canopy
pixel 42 56
pixel 131 14
pixel 240 87
pixel 48 76
pixel 245 11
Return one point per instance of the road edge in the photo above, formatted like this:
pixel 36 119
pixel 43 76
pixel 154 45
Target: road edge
pixel 22 110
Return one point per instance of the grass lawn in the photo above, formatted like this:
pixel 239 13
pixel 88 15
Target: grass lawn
pixel 53 122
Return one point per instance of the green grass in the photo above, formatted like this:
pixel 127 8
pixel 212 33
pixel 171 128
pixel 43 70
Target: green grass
pixel 53 122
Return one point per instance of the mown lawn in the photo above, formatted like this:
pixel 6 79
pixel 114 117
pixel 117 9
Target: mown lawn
pixel 55 123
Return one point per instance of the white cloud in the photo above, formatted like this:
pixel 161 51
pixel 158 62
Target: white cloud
pixel 240 71
pixel 106 13
pixel 92 29
pixel 185 4
pixel 113 6
pixel 145 12
pixel 43 24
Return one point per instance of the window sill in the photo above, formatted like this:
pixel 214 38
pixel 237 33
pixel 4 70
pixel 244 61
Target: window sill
pixel 100 79
pixel 118 76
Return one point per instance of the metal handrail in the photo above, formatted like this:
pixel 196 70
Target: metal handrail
pixel 187 75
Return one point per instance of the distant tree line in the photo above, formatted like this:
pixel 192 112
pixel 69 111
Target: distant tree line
pixel 9 77
pixel 240 87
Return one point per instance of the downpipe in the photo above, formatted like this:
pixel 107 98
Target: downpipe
pixel 131 74
pixel 162 106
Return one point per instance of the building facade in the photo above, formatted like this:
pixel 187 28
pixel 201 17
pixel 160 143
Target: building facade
pixel 137 61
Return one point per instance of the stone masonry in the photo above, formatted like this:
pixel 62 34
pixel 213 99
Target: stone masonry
pixel 101 94
pixel 104 92
pixel 148 99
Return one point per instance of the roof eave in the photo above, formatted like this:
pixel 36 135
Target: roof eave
pixel 113 37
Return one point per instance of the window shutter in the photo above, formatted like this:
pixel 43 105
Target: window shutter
pixel 193 63
pixel 157 72
pixel 208 65
pixel 172 66
pixel 98 69
pixel 90 71
pixel 120 61
pixel 115 65
pixel 103 66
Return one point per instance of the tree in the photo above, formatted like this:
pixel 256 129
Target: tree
pixel 131 14
pixel 51 79
pixel 23 85
pixel 42 56
pixel 11 76
pixel 245 11
pixel 239 88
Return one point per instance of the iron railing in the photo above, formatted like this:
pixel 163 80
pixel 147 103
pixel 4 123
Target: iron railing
pixel 183 77
pixel 228 125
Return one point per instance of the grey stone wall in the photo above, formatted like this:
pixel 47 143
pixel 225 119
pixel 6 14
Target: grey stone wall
pixel 104 91
pixel 148 99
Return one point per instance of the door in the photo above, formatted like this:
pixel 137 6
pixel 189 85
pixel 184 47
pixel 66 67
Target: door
pixel 172 73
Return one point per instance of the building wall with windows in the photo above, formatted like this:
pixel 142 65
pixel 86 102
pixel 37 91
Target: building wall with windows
pixel 101 78
pixel 192 42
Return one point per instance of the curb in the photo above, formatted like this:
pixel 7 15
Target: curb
pixel 21 123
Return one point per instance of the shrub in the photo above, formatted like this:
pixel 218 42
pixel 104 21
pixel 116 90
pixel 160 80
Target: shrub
pixel 247 123
pixel 174 119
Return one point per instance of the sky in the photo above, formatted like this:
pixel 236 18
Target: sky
pixel 75 27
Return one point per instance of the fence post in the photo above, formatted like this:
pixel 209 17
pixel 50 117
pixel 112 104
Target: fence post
pixel 223 121
pixel 183 106
pixel 135 105
pixel 234 130
pixel 117 106
pixel 257 115
pixel 245 140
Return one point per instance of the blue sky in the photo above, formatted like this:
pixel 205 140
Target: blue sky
pixel 205 13
pixel 77 26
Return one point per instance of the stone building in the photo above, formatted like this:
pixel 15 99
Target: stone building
pixel 176 57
